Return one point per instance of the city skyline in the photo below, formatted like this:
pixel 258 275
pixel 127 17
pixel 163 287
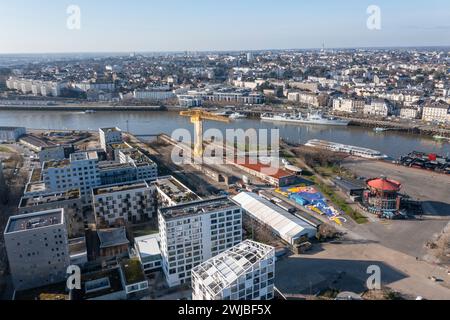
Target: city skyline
pixel 233 26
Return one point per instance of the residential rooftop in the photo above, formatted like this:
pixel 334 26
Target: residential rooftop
pixel 112 129
pixel 35 220
pixel 198 208
pixel 56 164
pixel 81 156
pixel 101 283
pixel 112 237
pixel 120 188
pixel 148 246
pixel 32 201
pixel 132 271
pixel 35 187
pixel 175 190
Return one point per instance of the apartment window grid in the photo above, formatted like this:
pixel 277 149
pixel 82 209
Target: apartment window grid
pixel 184 246
pixel 132 207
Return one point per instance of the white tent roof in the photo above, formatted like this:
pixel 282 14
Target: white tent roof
pixel 285 225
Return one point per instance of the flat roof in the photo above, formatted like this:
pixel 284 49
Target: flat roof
pixel 132 271
pixel 112 237
pixel 93 287
pixel 148 246
pixel 88 155
pixel 35 187
pixel 127 186
pixel 198 208
pixel 56 164
pixel 35 220
pixel 30 201
pixel 175 190
pixel 112 129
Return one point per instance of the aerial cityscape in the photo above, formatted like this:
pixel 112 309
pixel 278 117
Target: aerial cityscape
pixel 223 173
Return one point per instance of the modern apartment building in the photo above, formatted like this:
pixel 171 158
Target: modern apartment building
pixel 110 136
pixel 244 272
pixel 56 153
pixel 128 203
pixel 195 232
pixel 145 168
pixel 69 200
pixel 80 171
pixel 37 247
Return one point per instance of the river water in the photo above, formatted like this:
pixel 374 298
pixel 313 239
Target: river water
pixel 394 144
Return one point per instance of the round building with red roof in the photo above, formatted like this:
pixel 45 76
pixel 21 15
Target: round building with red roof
pixel 382 197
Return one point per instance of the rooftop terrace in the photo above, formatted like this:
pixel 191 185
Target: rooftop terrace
pixel 198 208
pixel 34 221
pixel 120 188
pixel 31 201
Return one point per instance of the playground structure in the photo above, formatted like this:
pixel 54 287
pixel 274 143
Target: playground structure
pixel 313 200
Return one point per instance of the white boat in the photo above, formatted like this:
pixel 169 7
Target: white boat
pixel 315 118
pixel 237 115
pixel 351 150
pixel 90 111
pixel 440 138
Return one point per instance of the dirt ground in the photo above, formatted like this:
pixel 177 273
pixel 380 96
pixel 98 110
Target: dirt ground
pixel 411 236
pixel 344 266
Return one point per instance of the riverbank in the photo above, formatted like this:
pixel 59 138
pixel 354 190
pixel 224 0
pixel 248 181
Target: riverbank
pixel 83 108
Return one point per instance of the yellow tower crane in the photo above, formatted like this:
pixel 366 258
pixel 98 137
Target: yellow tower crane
pixel 197 118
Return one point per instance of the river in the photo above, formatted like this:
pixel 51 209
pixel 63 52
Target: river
pixel 394 144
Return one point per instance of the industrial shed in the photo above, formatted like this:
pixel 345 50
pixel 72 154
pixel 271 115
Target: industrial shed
pixel 285 225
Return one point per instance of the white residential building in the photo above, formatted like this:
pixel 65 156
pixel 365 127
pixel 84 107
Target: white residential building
pixel 129 203
pixel 410 113
pixel 148 249
pixel 145 168
pixel 348 105
pixel 60 152
pixel 378 108
pixel 80 172
pixel 436 112
pixel 37 247
pixel 195 232
pixel 110 136
pixel 244 272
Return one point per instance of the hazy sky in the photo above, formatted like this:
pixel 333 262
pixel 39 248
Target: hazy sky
pixel 179 25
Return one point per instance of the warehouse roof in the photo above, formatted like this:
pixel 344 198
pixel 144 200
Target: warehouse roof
pixel 287 226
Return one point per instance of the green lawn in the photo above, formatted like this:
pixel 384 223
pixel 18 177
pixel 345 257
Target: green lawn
pixel 5 149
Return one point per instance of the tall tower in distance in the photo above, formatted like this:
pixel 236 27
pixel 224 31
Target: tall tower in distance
pixel 250 57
